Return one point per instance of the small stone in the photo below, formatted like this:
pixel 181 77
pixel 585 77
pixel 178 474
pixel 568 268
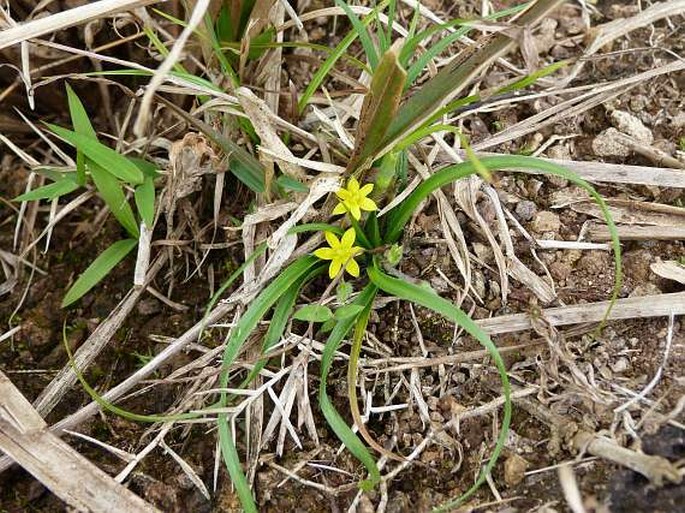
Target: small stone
pixel 560 270
pixel 559 152
pixel 645 289
pixel 607 144
pixel 546 221
pixel 515 470
pixel 632 126
pixel 483 252
pixel 620 365
pixel 525 210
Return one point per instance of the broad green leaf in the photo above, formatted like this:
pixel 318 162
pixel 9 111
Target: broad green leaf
pixel 347 311
pixel 148 168
pixel 379 108
pixel 98 269
pixel 454 78
pixel 112 193
pixel 429 299
pixel 290 184
pixel 145 200
pixel 335 421
pixel 313 313
pixel 82 125
pixel 102 155
pixel 50 191
pixel 362 32
pixel 79 116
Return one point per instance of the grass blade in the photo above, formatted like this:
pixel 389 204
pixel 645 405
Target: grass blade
pixel 82 125
pixel 328 64
pixel 363 34
pixel 401 215
pixel 243 329
pixel 105 157
pixel 453 78
pixel 50 191
pixel 144 196
pixel 113 194
pixel 335 421
pixel 98 269
pixel 429 299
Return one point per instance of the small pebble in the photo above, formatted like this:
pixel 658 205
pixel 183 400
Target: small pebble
pixel 546 221
pixel 525 210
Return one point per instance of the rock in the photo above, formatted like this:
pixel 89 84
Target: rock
pixel 560 270
pixel 607 144
pixel 515 470
pixel 632 126
pixel 546 221
pixel 620 365
pixel 525 210
pixel 559 152
pixel 645 289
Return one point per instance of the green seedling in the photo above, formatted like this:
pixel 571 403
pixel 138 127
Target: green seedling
pixel 111 173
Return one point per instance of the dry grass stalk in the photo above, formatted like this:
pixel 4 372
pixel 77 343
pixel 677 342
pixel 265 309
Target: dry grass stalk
pixel 65 19
pixel 628 308
pixel 82 485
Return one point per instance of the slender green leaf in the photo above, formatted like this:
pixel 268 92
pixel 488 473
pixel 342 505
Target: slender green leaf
pixel 98 269
pixel 82 125
pixel 335 421
pixel 444 43
pixel 362 32
pixel 148 168
pixel 454 78
pixel 106 405
pixel 401 215
pixel 105 157
pixel 313 313
pixel 246 326
pixel 328 64
pixel 50 191
pixel 259 250
pixel 112 193
pixel 145 200
pixel 317 227
pixel 429 299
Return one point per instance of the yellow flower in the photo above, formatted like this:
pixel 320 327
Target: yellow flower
pixel 354 199
pixel 341 253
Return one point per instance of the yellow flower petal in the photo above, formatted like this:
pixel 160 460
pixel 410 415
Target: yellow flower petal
pixel 353 185
pixel 368 204
pixel 352 267
pixel 334 268
pixel 348 239
pixel 366 190
pixel 343 194
pixel 355 211
pixel 332 240
pixel 324 253
pixel 340 209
